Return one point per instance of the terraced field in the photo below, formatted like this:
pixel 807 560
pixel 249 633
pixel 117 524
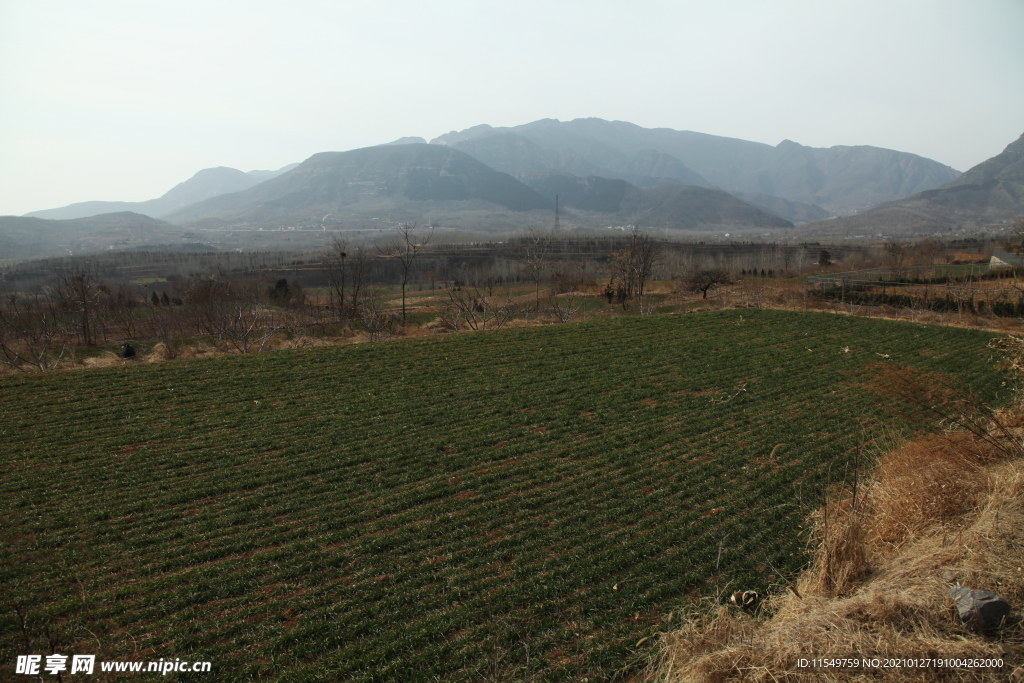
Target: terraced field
pixel 522 503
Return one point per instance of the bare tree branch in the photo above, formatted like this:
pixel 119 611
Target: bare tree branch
pixel 406 247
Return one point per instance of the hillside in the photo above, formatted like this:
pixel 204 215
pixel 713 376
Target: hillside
pixel 986 197
pixel 592 193
pixel 331 181
pixel 650 168
pixel 207 183
pixel 795 212
pixel 23 238
pixel 681 207
pixel 840 179
pixel 352 513
pixel 688 207
pixel 519 156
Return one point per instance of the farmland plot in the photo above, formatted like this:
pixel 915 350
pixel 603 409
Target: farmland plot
pixel 512 504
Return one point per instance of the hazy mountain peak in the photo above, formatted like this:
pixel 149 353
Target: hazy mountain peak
pixel 456 136
pixel 1008 165
pixel 379 176
pixel 267 175
pixel 409 140
pixel 990 193
pixel 206 183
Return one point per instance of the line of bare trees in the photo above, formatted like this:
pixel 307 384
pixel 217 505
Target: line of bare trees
pixel 244 314
pixel 473 286
pixel 75 309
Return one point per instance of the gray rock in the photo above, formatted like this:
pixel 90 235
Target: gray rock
pixel 979 610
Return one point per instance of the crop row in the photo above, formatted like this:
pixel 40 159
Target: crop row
pixel 409 510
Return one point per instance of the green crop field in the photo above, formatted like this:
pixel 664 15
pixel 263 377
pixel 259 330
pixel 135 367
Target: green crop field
pixel 521 503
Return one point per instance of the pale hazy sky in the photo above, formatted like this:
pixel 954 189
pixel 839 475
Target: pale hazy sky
pixel 123 100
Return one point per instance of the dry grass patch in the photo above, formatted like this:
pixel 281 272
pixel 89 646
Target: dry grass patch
pixel 938 512
pixel 107 359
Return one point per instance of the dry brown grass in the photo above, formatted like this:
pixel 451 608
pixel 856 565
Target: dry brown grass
pixel 931 480
pixel 939 511
pixel 162 352
pixel 107 359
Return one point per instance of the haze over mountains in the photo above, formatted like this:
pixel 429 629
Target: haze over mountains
pixel 987 196
pixel 25 237
pixel 209 182
pixel 604 173
pixel 390 178
pixel 382 177
pixel 843 180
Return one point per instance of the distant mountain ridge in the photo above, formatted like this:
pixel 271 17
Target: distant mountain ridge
pixel 206 183
pixel 840 179
pixel 689 207
pixel 797 182
pixel 23 237
pixel 990 193
pixel 681 207
pixel 408 140
pixel 418 178
pixel 486 178
pixel 796 212
pixel 522 158
pixel 329 181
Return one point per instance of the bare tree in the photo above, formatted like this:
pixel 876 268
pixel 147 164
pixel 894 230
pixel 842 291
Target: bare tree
pixel 346 267
pixel 644 256
pixel 896 256
pixel 620 281
pixel 234 313
pixel 122 305
pixel 963 293
pixel 705 279
pixel 31 331
pixel 433 277
pixel 379 322
pixel 79 292
pixel 469 306
pixel 926 252
pixel 568 278
pixel 405 247
pixel 915 306
pixel 630 268
pixel 336 263
pixel 568 308
pixel 169 326
pixel 245 325
pixel 531 252
pixel 754 292
pixel 358 271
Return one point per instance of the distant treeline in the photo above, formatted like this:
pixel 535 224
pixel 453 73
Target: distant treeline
pixel 446 259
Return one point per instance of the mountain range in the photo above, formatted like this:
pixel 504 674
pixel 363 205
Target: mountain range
pixel 382 176
pixel 209 182
pixel 987 196
pixel 603 172
pixel 842 180
pixel 25 237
